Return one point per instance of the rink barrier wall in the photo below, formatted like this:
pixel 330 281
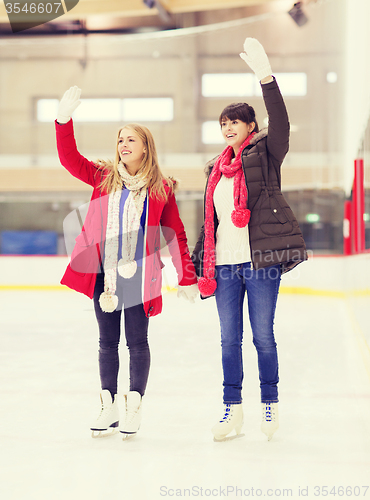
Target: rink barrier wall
pixel 330 275
pixel 346 278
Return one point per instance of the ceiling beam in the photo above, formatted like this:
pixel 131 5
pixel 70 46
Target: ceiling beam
pixel 135 8
pixel 180 6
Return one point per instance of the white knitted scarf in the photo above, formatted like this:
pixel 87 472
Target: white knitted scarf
pixel 132 211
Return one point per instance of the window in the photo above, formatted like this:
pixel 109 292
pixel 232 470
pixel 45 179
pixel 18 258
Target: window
pixel 159 109
pixel 211 133
pixel 98 110
pixel 246 84
pixel 292 84
pixel 111 110
pixel 228 84
pixel 47 110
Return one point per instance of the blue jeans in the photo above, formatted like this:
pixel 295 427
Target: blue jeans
pixel 262 287
pixel 136 332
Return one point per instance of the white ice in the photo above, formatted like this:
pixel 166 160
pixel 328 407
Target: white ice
pixel 49 394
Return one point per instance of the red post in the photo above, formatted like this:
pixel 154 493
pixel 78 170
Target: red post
pixel 358 206
pixel 347 226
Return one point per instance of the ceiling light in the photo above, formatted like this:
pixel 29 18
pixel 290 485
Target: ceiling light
pixel 297 14
pixel 331 77
pixel 162 11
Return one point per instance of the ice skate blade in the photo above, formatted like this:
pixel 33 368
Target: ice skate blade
pixel 95 434
pixel 98 433
pixel 126 436
pixel 220 439
pixel 269 436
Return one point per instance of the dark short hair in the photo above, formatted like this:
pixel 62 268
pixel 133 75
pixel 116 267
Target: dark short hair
pixel 239 111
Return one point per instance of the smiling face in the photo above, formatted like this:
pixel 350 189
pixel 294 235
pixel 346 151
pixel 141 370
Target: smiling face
pixel 131 150
pixel 235 132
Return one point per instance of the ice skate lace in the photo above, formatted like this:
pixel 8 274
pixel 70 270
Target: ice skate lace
pixel 228 413
pixel 131 414
pixel 268 413
pixel 105 410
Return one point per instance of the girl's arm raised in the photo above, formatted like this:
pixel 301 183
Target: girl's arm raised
pixel 79 166
pixel 68 103
pixel 278 128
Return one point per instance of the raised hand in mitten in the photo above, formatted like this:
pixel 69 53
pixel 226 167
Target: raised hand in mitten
pixel 69 102
pixel 256 58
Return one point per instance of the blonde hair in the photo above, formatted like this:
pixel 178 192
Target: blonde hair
pixel 149 169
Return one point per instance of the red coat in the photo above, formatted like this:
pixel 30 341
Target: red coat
pixel 85 261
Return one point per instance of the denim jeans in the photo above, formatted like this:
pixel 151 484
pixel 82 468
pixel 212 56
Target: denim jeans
pixel 136 332
pixel 262 287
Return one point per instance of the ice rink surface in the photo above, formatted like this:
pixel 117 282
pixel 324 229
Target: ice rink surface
pixel 50 394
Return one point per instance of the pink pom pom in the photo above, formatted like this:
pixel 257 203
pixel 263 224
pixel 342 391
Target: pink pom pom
pixel 207 286
pixel 240 217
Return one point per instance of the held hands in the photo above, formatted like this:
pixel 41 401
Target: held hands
pixel 188 292
pixel 69 102
pixel 256 58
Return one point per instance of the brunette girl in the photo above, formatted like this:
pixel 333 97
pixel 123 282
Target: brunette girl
pixel 249 238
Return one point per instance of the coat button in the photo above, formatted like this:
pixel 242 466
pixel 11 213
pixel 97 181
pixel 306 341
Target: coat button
pixel 154 279
pixel 150 309
pixel 275 210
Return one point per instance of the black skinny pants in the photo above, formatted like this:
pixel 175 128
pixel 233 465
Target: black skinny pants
pixel 136 332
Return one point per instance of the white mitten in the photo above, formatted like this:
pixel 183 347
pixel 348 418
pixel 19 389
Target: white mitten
pixel 256 58
pixel 188 292
pixel 68 103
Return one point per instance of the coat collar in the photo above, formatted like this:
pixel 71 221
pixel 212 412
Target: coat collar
pixel 256 138
pixel 260 135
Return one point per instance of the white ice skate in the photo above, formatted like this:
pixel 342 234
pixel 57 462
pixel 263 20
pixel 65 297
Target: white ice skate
pixel 232 419
pixel 270 419
pixel 132 420
pixel 107 422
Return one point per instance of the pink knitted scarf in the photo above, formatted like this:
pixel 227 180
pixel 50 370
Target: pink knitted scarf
pixel 239 216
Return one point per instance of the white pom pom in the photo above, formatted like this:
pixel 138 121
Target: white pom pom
pixel 108 302
pixel 127 269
